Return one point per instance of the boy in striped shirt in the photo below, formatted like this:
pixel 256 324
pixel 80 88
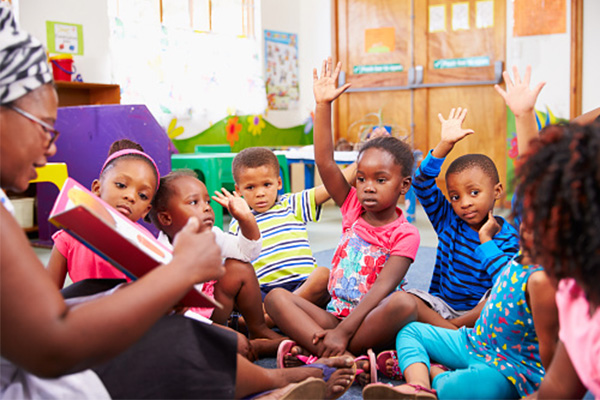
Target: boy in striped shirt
pixel 286 260
pixel 473 244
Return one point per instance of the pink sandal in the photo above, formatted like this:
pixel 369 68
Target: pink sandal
pixel 372 365
pixel 382 365
pixel 285 348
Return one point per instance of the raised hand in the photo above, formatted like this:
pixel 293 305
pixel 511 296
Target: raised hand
pixel 518 96
pixel 452 131
pixel 234 203
pixel 325 87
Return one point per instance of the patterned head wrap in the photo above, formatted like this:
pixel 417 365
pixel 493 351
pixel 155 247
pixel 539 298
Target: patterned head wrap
pixel 23 63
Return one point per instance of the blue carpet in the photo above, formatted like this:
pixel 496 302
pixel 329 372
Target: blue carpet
pixel 418 276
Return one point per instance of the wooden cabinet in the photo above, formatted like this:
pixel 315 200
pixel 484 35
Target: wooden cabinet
pixel 82 93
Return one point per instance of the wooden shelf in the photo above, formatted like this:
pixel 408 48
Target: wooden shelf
pixel 82 93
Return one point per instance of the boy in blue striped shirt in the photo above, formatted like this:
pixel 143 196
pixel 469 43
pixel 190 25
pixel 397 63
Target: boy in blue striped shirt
pixel 473 244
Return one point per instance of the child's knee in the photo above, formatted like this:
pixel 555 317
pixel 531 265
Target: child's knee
pixel 403 304
pixel 275 298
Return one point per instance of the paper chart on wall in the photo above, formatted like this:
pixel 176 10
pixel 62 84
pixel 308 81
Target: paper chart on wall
pixel 281 76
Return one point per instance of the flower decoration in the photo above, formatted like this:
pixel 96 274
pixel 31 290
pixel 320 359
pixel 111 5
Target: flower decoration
pixel 255 124
pixel 173 130
pixel 232 130
pixel 513 150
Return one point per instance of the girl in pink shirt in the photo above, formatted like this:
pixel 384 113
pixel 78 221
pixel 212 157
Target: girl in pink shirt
pixel 560 186
pixel 128 181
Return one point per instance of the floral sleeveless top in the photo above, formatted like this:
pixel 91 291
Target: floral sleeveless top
pixel 355 267
pixel 505 335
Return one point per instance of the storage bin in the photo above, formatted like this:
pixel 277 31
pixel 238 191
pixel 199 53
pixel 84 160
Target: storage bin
pixel 24 211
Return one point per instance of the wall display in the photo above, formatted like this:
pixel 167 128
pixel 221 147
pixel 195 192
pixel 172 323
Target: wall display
pixel 437 18
pixel 460 16
pixel 281 77
pixel 539 17
pixel 484 14
pixel 64 38
pixel 380 40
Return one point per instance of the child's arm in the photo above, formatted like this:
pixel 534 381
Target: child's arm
pixel 57 267
pixel 495 255
pixel 561 380
pixel 238 208
pixel 588 117
pixel 326 92
pixel 521 101
pixel 336 340
pixel 452 132
pixel 541 295
pixel 321 194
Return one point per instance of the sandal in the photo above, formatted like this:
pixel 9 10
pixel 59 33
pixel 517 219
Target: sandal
pixel 372 365
pixel 285 349
pixel 405 391
pixel 382 365
pixel 310 388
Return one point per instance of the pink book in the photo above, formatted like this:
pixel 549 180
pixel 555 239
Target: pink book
pixel 124 244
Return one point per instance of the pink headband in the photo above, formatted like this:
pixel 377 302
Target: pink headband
pixel 126 152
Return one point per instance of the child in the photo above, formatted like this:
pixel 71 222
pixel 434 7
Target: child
pixel 376 249
pixel 286 260
pixel 473 243
pixel 513 339
pixel 128 180
pixel 182 195
pixel 559 183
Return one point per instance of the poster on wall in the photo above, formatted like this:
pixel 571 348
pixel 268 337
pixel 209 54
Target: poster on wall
pixel 281 76
pixel 64 38
pixel 539 17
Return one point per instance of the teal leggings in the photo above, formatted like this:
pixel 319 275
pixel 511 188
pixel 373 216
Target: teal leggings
pixel 469 378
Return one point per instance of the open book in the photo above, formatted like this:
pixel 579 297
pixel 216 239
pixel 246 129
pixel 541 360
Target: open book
pixel 124 244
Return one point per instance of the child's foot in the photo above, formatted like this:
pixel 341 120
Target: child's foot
pixel 366 368
pixel 266 347
pixel 263 332
pixel 290 355
pixel 436 369
pixel 387 364
pixel 337 372
pixel 406 391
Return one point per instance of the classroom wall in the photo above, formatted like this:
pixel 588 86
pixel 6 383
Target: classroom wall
pixel 94 65
pixel 311 20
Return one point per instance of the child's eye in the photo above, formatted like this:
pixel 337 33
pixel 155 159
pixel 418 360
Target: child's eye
pixel 360 179
pixel 474 192
pixel 144 196
pixel 120 185
pixel 193 202
pixel 268 184
pixel 454 198
pixel 381 180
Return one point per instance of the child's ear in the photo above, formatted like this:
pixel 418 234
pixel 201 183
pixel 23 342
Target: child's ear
pixel 96 187
pixel 279 183
pixel 406 182
pixel 237 189
pixel 164 218
pixel 498 190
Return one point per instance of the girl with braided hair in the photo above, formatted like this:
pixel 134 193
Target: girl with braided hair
pixel 559 183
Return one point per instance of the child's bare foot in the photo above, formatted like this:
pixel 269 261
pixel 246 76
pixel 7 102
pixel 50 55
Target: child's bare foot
pixel 338 373
pixel 387 363
pixel 366 368
pixel 266 347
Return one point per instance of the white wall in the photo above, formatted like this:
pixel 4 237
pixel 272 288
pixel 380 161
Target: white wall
pixel 311 20
pixel 94 65
pixel 591 55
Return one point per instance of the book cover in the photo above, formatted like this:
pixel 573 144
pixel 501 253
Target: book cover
pixel 123 243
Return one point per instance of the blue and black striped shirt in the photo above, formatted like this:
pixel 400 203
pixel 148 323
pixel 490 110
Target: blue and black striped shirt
pixel 464 268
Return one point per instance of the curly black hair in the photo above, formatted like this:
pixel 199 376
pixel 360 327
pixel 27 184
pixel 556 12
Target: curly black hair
pixel 254 157
pixel 401 151
pixel 164 193
pixel 469 161
pixel 559 184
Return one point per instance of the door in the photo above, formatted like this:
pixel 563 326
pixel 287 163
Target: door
pixel 409 60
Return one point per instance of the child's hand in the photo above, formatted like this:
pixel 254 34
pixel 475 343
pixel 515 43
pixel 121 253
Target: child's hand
pixel 234 203
pixel 334 343
pixel 325 88
pixel 489 229
pixel 518 97
pixel 452 131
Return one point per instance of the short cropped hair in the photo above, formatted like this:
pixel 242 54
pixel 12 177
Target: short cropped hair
pixel 469 161
pixel 400 150
pixel 165 191
pixel 254 157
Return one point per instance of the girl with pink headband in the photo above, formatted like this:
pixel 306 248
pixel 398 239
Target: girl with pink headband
pixel 128 181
